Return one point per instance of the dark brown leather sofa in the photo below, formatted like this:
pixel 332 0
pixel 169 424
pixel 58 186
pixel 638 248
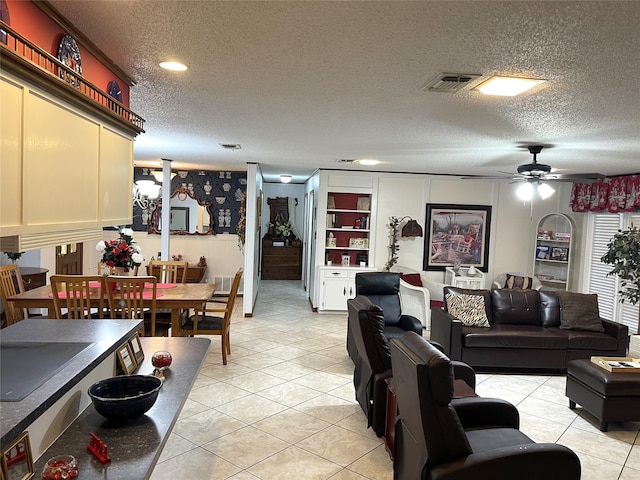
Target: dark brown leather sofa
pixel 524 333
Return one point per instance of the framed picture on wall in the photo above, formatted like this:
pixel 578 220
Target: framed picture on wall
pixel 456 234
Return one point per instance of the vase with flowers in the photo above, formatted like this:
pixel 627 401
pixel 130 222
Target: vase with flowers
pixel 122 253
pixel 284 230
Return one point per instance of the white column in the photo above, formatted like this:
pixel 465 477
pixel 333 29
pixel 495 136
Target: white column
pixel 166 208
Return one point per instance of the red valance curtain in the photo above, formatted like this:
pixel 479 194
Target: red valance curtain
pixel 613 194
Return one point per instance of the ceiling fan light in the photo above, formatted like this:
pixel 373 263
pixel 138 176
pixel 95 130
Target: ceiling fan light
pixel 525 191
pixel 545 190
pixel 508 86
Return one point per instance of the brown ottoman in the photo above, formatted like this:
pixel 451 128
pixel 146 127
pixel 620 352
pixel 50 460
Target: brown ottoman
pixel 609 396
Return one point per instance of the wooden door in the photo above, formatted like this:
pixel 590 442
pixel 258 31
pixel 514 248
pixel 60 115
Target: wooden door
pixel 69 259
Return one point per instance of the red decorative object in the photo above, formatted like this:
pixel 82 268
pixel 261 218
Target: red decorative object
pixel 98 449
pixel 161 359
pixel 62 467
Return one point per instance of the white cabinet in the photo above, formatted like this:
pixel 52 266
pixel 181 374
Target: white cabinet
pixel 337 285
pixel 463 280
pixel 552 256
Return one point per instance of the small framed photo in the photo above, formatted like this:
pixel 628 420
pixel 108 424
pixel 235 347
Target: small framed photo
pixel 127 359
pixel 136 348
pixel 359 243
pixel 560 254
pixel 17 460
pixel 364 203
pixel 542 252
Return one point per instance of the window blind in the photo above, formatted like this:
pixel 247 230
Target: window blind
pixel 604 227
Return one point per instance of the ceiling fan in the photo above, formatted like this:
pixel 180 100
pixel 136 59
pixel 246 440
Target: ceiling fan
pixel 537 174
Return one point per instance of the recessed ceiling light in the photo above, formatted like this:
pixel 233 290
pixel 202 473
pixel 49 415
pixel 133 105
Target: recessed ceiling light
pixel 508 86
pixel 285 178
pixel 173 66
pixel 368 161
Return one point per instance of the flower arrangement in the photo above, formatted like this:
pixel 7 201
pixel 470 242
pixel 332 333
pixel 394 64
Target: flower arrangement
pixel 13 256
pixel 122 252
pixel 284 229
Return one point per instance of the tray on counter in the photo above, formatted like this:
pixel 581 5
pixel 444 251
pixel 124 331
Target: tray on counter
pixel 618 364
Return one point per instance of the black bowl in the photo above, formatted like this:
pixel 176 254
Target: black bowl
pixel 124 397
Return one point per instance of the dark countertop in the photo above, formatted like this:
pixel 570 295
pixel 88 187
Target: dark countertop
pixel 134 447
pixel 104 335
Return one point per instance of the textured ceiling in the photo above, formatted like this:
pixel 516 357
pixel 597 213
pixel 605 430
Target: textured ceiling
pixel 301 84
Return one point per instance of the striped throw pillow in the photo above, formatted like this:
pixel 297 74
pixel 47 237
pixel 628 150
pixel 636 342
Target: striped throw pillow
pixel 469 309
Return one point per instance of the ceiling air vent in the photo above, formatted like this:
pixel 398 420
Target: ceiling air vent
pixel 450 82
pixel 346 160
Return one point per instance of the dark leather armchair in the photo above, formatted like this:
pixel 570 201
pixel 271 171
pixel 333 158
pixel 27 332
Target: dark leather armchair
pixel 373 362
pixel 383 289
pixel 471 439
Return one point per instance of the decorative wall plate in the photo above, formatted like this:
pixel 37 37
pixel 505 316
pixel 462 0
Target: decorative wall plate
pixel 113 89
pixel 69 54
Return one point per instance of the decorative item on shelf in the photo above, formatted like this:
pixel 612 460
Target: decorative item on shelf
pixel 456 267
pixel 411 229
pixel 472 272
pixel 359 243
pixel 202 262
pixel 362 259
pixel 364 203
pixel 114 90
pixel 346 259
pixel 122 252
pixel 60 467
pixel 331 240
pixel 331 202
pixel 543 252
pixel 177 257
pixel 544 234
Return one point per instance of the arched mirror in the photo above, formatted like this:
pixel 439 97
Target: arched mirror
pixel 189 215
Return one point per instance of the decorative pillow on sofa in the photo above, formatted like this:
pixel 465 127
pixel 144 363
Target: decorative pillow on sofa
pixel 579 311
pixel 412 279
pixel 515 281
pixel 469 309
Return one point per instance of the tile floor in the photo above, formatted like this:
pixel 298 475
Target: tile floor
pixel 284 407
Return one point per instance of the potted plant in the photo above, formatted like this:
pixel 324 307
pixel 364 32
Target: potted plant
pixel 624 254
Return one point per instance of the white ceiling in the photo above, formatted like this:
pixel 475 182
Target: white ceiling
pixel 301 84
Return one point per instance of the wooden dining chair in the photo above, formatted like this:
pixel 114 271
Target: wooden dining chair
pixel 75 296
pixel 11 283
pixel 168 271
pixel 202 324
pixel 133 298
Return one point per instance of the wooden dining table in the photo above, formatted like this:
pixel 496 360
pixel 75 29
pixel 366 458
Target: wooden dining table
pixel 178 298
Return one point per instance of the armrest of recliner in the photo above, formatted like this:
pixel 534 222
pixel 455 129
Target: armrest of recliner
pixel 410 324
pixel 462 371
pixel 525 462
pixel 447 331
pixel 475 412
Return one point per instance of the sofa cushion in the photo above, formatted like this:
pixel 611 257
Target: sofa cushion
pixel 486 294
pixel 520 307
pixel 412 279
pixel 579 311
pixel 587 340
pixel 518 282
pixel 469 309
pixel 549 309
pixel 514 336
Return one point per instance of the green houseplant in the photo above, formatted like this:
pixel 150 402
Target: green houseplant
pixel 624 254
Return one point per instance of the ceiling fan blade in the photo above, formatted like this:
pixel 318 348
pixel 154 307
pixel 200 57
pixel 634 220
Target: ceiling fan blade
pixel 487 177
pixel 594 176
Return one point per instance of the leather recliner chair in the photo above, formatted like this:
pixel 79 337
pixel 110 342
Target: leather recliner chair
pixel 383 289
pixel 471 439
pixel 373 362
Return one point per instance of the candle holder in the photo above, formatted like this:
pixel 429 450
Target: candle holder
pixel 61 467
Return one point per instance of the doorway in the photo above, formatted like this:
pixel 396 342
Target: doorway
pixel 69 259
